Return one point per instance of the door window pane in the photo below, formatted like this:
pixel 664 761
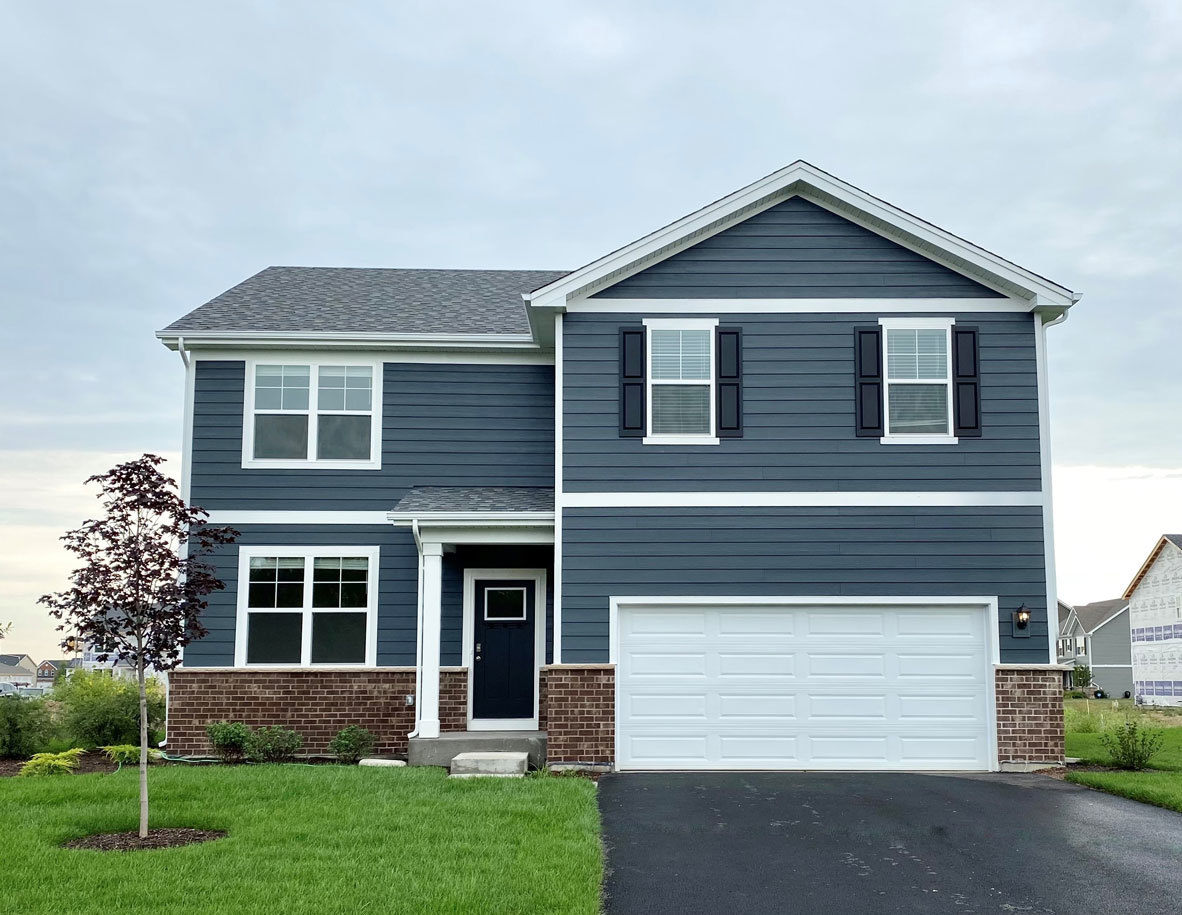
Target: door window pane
pixel 918 408
pixel 338 638
pixel 680 409
pixel 274 638
pixel 281 435
pixel 342 437
pixel 504 603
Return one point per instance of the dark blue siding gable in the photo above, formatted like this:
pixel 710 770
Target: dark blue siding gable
pixel 798 415
pixel 797 552
pixel 796 249
pixel 442 425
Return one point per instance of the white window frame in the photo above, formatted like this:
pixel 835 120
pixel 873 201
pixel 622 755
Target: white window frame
pixel 307 553
pixel 311 462
pixel 912 438
pixel 651 324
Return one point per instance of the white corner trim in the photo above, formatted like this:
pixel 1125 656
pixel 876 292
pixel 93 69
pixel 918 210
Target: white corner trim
pixel 902 438
pixel 680 440
pixel 246 553
pixel 559 403
pixel 966 499
pixel 235 516
pixel 797 306
pixel 1044 439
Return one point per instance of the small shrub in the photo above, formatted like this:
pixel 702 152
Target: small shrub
pixel 228 739
pixel 273 744
pixel 352 743
pixel 1076 721
pixel 99 709
pixel 52 763
pixel 128 754
pixel 25 727
pixel 1130 745
pixel 1076 694
pixel 1082 676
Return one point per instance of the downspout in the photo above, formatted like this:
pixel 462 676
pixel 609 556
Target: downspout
pixel 181 351
pixel 414 529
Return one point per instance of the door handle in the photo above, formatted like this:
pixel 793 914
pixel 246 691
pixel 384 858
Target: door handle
pixel 477 651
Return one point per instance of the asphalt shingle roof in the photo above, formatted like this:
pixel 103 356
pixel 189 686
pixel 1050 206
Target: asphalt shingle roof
pixel 1092 615
pixel 371 300
pixel 428 499
pixel 1175 539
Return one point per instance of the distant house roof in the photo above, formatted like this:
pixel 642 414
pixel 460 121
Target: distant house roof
pixel 1094 615
pixel 1173 539
pixel 11 664
pixel 425 500
pixel 55 664
pixel 370 300
pixel 1064 612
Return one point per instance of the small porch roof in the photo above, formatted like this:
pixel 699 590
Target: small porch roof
pixel 475 503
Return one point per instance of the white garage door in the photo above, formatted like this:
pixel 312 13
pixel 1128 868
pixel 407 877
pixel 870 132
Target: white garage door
pixel 802 687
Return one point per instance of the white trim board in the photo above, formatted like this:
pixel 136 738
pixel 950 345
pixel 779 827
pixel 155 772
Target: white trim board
pixel 558 452
pixel 987 605
pixel 309 352
pixel 538 577
pixel 797 306
pixel 799 499
pixel 247 516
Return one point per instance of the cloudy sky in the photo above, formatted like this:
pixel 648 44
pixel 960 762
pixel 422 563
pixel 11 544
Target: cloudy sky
pixel 153 155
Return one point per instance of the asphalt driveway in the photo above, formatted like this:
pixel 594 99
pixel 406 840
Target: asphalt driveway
pixel 855 843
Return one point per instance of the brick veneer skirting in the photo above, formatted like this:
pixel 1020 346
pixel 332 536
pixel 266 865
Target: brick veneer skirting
pixel 581 713
pixel 315 703
pixel 1030 715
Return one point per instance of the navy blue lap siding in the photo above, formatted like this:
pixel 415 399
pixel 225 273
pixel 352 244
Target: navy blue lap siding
pixel 798 415
pixel 796 552
pixel 442 425
pixel 796 249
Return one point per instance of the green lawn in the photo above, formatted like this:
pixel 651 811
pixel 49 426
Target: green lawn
pixel 1162 787
pixel 314 839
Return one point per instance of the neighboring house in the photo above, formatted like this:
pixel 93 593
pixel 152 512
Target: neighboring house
pixel 1155 617
pixel 122 669
pixel 1097 635
pixel 47 671
pixel 767 488
pixel 18 669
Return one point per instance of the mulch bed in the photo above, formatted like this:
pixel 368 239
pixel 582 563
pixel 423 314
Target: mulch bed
pixel 89 764
pixel 157 838
pixel 1060 772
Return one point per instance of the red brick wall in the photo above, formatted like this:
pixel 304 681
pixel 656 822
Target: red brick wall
pixel 315 703
pixel 1029 716
pixel 581 714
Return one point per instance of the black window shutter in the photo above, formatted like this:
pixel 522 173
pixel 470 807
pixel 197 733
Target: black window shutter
pixel 729 368
pixel 632 359
pixel 966 381
pixel 868 381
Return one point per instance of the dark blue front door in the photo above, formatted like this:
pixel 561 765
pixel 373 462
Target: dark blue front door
pixel 503 649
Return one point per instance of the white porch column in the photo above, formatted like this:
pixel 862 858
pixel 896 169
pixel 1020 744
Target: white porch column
pixel 432 614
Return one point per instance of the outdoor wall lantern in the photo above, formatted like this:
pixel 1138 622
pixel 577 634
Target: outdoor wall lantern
pixel 1021 622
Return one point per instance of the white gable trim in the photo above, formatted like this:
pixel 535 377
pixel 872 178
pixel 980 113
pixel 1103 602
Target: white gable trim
pixel 803 179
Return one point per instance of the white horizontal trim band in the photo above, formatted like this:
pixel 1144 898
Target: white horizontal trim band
pixel 797 499
pixel 796 306
pixel 231 516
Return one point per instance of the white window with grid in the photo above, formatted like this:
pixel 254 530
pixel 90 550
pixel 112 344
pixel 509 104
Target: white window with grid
pixel 300 414
pixel 681 377
pixel 917 396
pixel 307 606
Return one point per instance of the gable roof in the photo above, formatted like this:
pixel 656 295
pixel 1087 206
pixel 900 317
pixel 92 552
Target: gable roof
pixel 1064 613
pixel 820 187
pixel 20 663
pixel 341 301
pixel 1171 539
pixel 1099 613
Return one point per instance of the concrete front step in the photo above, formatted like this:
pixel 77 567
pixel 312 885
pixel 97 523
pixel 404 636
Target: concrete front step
pixel 503 764
pixel 441 750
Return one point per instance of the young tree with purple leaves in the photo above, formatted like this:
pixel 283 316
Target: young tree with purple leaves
pixel 140 590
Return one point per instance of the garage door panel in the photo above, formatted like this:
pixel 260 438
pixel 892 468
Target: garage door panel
pixel 793 687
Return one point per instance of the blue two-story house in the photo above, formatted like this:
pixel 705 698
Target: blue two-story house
pixel 768 488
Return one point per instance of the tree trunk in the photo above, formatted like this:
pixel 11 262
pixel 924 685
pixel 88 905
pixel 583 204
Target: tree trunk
pixel 143 750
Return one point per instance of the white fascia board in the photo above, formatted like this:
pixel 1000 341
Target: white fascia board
pixel 800 499
pixel 798 306
pixel 306 353
pixel 234 517
pixel 499 519
pixel 349 340
pixel 799 177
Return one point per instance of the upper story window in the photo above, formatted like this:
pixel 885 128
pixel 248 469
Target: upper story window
pixel 307 606
pixel 681 381
pixel 918 402
pixel 324 415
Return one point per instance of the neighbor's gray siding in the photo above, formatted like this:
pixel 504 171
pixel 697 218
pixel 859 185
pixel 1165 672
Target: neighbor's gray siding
pixel 443 425
pixel 785 552
pixel 798 415
pixel 796 249
pixel 397 587
pixel 1113 645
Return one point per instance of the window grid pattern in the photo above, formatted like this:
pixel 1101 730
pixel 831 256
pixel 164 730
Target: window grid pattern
pixel 313 413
